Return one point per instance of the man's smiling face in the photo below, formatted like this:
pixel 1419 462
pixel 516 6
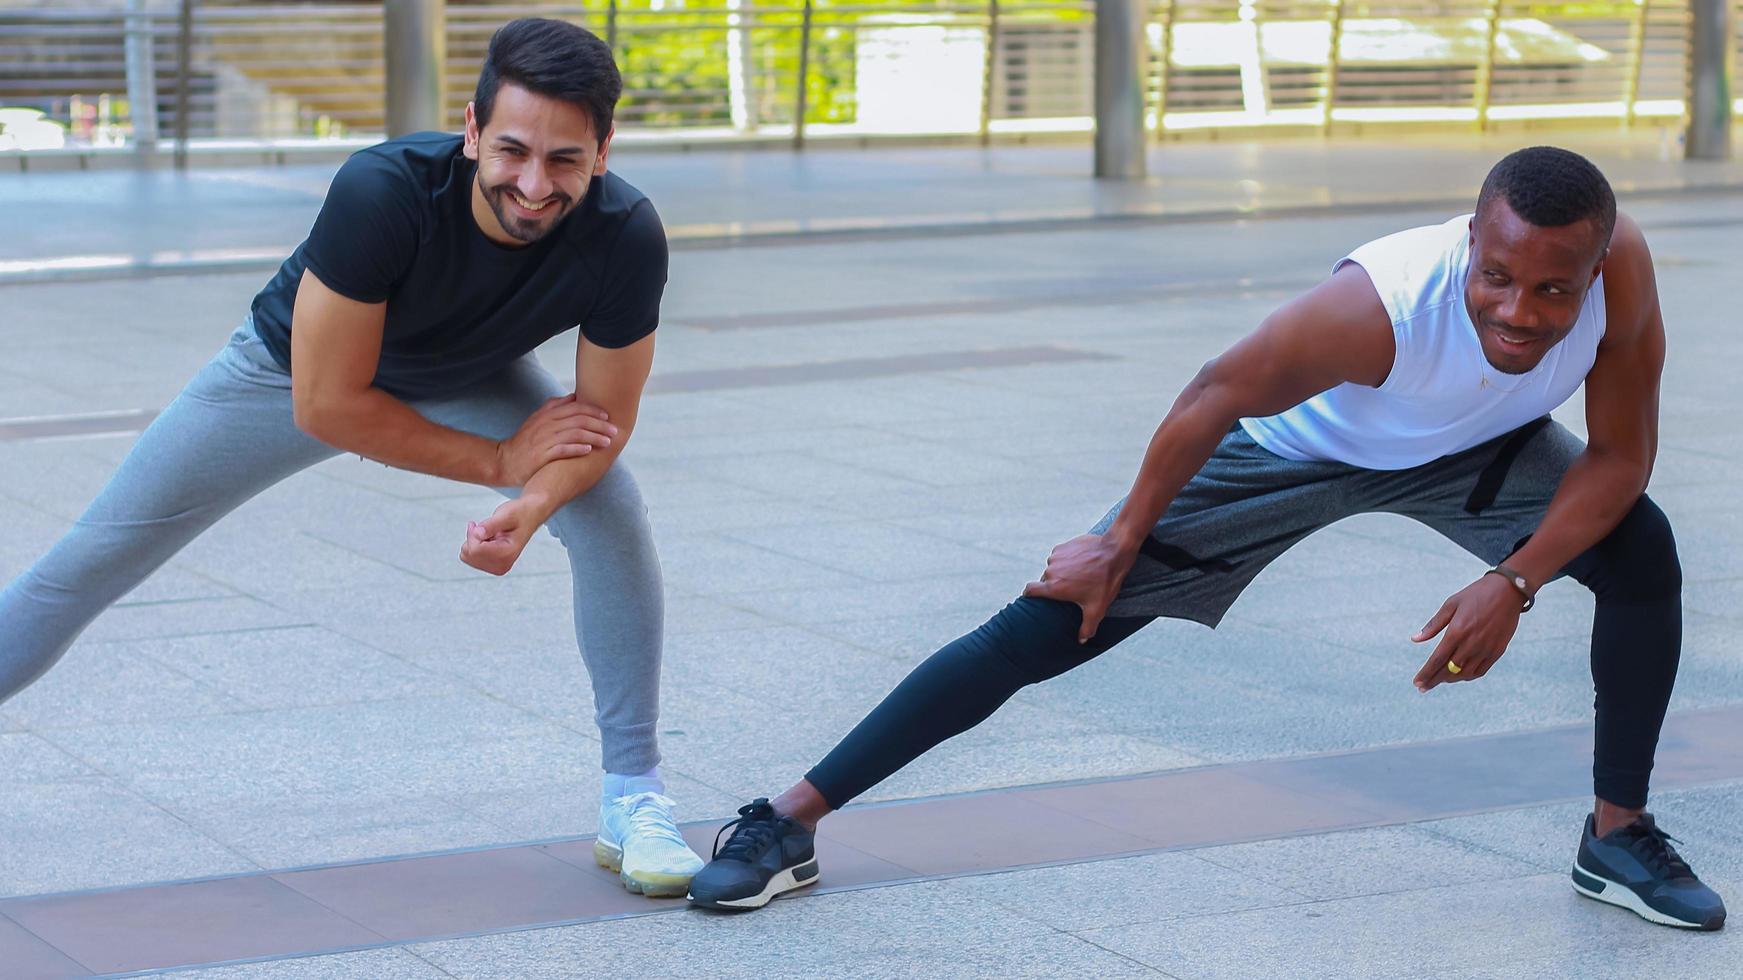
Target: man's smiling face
pixel 1527 284
pixel 536 156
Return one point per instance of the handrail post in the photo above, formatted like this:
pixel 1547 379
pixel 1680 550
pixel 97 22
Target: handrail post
pixel 1636 58
pixel 804 70
pixel 611 26
pixel 184 69
pixel 1166 68
pixel 1486 69
pixel 989 71
pixel 141 81
pixel 1331 66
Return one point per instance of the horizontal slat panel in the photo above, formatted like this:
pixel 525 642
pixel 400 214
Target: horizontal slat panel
pixel 282 68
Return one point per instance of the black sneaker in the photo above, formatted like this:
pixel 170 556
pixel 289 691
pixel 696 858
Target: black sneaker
pixel 1635 867
pixel 765 856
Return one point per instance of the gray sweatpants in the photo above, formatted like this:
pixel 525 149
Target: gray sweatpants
pixel 230 434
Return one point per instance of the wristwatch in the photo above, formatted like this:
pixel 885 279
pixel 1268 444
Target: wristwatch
pixel 1518 582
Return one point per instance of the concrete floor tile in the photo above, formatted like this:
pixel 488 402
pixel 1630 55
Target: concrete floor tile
pixel 323 828
pixel 292 668
pixel 722 565
pixel 176 582
pixel 373 964
pixel 905 932
pixel 982 593
pixel 105 683
pixel 192 618
pixel 416 747
pixel 1125 891
pixel 1361 862
pixel 27 759
pixel 89 833
pixel 1530 927
pixel 879 552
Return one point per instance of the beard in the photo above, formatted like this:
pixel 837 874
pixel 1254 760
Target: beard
pixel 527 230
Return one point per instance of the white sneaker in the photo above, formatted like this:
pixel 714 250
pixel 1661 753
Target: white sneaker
pixel 638 840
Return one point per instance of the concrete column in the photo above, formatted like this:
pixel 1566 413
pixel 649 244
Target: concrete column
pixel 1120 54
pixel 416 48
pixel 1710 76
pixel 141 79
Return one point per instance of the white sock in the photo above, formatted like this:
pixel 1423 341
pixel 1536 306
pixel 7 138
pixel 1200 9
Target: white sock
pixel 623 784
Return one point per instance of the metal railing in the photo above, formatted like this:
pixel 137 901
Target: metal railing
pixel 114 72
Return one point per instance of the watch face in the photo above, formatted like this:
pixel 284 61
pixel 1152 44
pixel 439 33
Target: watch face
pixel 1519 583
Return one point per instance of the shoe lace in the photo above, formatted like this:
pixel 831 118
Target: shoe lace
pixel 756 830
pixel 650 816
pixel 1652 846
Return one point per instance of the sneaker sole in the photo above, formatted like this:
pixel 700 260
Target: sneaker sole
pixel 1614 893
pixel 651 884
pixel 792 879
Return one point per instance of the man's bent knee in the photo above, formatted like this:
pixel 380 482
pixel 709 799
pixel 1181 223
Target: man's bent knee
pixel 1637 562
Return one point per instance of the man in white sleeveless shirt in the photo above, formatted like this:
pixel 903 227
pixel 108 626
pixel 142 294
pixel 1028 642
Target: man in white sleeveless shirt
pixel 1417 380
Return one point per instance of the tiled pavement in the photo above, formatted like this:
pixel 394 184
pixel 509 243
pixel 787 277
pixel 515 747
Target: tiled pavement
pixel 318 681
pixel 1273 804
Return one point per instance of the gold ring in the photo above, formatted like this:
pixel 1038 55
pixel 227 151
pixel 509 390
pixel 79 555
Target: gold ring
pixel 1452 668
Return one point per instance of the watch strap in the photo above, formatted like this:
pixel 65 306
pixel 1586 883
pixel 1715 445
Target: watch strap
pixel 1518 582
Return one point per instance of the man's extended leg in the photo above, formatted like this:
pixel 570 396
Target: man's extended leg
pixel 227 436
pixel 619 618
pixel 955 689
pixel 1246 507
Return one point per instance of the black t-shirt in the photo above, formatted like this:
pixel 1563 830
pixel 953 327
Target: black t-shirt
pixel 397 225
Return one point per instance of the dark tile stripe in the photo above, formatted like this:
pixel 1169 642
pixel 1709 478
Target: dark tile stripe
pixel 174 925
pixel 1120 293
pixel 476 891
pixel 863 368
pixel 721 379
pixel 25 957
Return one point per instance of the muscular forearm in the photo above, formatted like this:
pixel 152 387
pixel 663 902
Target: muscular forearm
pixel 378 426
pixel 1182 443
pixel 1593 497
pixel 564 480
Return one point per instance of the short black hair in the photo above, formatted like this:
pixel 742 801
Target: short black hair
pixel 1551 187
pixel 552 58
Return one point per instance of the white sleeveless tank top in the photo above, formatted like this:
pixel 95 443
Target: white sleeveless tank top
pixel 1442 396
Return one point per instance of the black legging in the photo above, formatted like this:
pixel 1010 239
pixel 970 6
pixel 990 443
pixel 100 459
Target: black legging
pixel 1636 644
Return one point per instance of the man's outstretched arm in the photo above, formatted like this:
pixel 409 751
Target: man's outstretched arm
pixel 613 379
pixel 1336 332
pixel 1600 486
pixel 335 351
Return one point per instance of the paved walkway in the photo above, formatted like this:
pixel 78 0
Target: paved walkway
pixel 401 901
pixel 857 446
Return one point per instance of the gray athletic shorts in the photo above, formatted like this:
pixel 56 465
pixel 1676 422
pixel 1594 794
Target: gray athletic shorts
pixel 1248 505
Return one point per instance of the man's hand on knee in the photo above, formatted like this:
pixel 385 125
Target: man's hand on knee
pixel 562 428
pixel 1087 570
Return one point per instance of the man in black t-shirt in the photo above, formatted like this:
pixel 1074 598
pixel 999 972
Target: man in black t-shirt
pixel 402 330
